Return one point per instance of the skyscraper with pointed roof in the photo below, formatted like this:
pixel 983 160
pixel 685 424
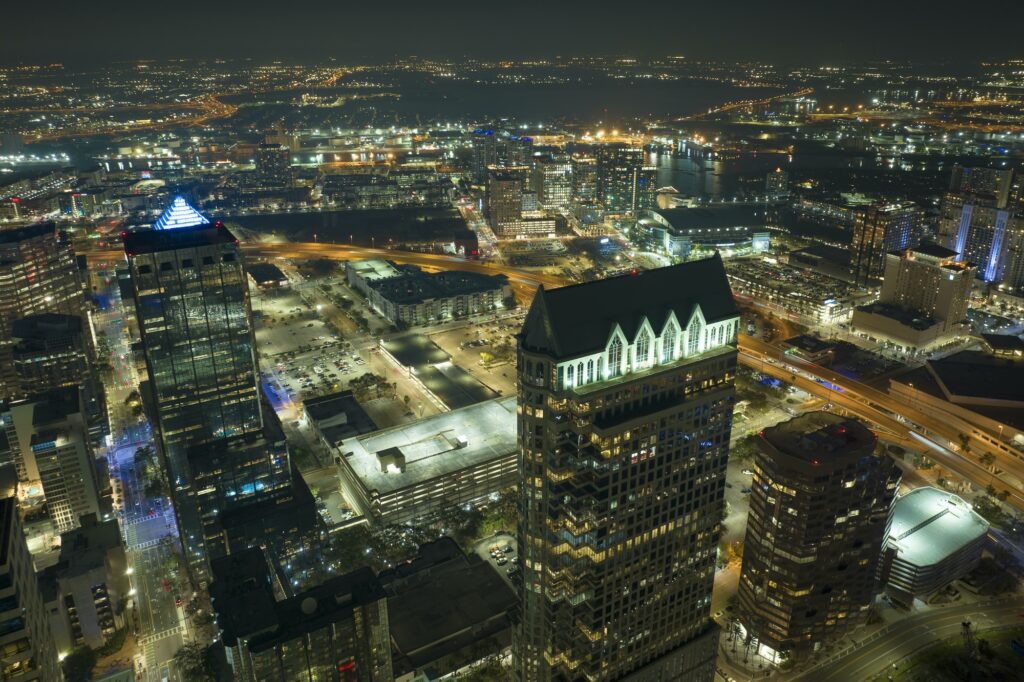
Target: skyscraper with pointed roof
pixel 625 411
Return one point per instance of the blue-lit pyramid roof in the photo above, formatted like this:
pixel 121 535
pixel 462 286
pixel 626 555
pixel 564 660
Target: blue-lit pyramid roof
pixel 180 214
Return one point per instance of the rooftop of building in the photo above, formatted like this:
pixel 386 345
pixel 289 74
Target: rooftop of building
pixel 975 374
pixel 430 447
pixel 411 285
pixel 725 217
pixel 929 524
pixel 332 601
pixel 154 241
pixel 454 386
pixel 929 248
pixel 907 318
pixel 85 548
pixel 1006 343
pixel 373 269
pixel 821 438
pixel 808 343
pixel 446 605
pixel 265 273
pixel 180 214
pixel 339 416
pixel 921 379
pixel 242 594
pixel 19 233
pixel 44 326
pixel 577 320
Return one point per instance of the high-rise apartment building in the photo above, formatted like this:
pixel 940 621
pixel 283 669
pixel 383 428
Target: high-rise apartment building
pixel 552 180
pixel 46 437
pixel 498 148
pixel 49 352
pixel 776 183
pixel 924 299
pixel 879 229
pixel 38 274
pixel 192 305
pixel 584 178
pixel 336 631
pixel 625 183
pixel 980 218
pixel 25 637
pixel 505 196
pixel 819 513
pixel 273 164
pixel 625 410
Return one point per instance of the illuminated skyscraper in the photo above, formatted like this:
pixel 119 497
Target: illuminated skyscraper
pixel 38 274
pixel 819 515
pixel 552 180
pixel 192 305
pixel 978 219
pixel 625 411
pixel 879 229
pixel 624 183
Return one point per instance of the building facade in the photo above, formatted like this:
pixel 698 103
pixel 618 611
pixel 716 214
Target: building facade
pixel 46 437
pixel 819 512
pixel 553 182
pixel 624 423
pixel 38 274
pixel 980 219
pixel 25 637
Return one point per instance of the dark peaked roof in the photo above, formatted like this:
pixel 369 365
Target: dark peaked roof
pixel 577 320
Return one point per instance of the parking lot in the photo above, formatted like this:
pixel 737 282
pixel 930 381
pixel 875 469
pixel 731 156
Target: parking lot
pixel 500 550
pixel 300 355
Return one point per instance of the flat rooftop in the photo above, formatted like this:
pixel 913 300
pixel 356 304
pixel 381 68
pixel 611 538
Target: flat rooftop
pixel 907 318
pixel 685 220
pixel 929 525
pixel 452 385
pixel 154 241
pixel 374 269
pixel 821 438
pixel 339 416
pixel 429 446
pixel 265 273
pixel 973 375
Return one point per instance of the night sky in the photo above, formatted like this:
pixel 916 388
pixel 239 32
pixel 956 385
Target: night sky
pixel 777 30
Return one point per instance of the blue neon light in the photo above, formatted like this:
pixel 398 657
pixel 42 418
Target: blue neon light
pixel 180 214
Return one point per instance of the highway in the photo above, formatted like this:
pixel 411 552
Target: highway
pixel 906 637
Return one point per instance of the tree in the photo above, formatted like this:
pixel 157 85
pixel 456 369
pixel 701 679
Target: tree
pixel 78 664
pixel 194 663
pixel 987 459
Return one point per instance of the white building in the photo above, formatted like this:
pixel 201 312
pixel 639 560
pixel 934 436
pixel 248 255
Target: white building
pixel 934 538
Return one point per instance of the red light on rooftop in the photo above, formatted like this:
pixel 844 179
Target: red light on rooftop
pixel 15 200
pixel 815 462
pixel 634 272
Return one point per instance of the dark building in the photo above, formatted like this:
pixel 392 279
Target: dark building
pixel 877 230
pixel 25 637
pixel 819 515
pixel 273 165
pixel 192 305
pixel 335 631
pixel 626 391
pixel 38 274
pixel 446 610
pixel 49 352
